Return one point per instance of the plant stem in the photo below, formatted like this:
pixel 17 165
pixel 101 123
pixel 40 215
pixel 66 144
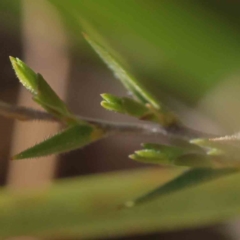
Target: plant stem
pixel 176 131
pixel 23 113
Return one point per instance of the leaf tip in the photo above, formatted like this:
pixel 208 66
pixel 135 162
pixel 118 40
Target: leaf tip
pixel 111 106
pixel 14 62
pixel 25 74
pixel 106 105
pixel 11 58
pixel 104 96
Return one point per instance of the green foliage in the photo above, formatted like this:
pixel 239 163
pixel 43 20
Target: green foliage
pixel 146 108
pixel 71 138
pixel 41 91
pixel 171 155
pixel 25 74
pixel 128 106
pixel 92 206
pixel 164 117
pixel 185 48
pixel 130 83
pixel 155 153
pixel 78 134
pixel 187 179
pixel 173 198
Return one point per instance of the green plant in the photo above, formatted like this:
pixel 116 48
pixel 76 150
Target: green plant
pixel 160 203
pixel 203 152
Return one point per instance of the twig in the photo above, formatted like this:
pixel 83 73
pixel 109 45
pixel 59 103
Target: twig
pixel 176 131
pixel 23 113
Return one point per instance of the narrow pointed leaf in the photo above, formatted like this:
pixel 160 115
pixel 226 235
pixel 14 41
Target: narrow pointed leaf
pixel 161 154
pixel 151 156
pixel 126 78
pixel 127 106
pixel 189 178
pixel 26 75
pixel 41 91
pixel 69 139
pixel 185 155
pixel 164 116
pixel 171 155
pixel 48 99
pixel 134 108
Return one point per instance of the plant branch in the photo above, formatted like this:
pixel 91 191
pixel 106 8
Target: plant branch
pixel 23 113
pixel 176 131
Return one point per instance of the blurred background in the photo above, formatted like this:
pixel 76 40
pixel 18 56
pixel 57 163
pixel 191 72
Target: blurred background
pixel 186 53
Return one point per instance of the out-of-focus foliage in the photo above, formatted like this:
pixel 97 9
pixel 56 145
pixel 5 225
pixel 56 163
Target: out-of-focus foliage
pixel 186 179
pixel 183 47
pixel 139 92
pixel 186 47
pixel 78 134
pixel 171 155
pixel 9 14
pixel 99 206
pixel 91 207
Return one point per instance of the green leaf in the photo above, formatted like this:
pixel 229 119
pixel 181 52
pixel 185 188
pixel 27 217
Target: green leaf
pixel 170 46
pixel 89 207
pixel 171 155
pixel 132 107
pixel 164 117
pixel 42 92
pixel 151 156
pixel 26 75
pixel 127 106
pixel 69 139
pixel 189 178
pixel 126 78
pixel 48 99
pixel 160 154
